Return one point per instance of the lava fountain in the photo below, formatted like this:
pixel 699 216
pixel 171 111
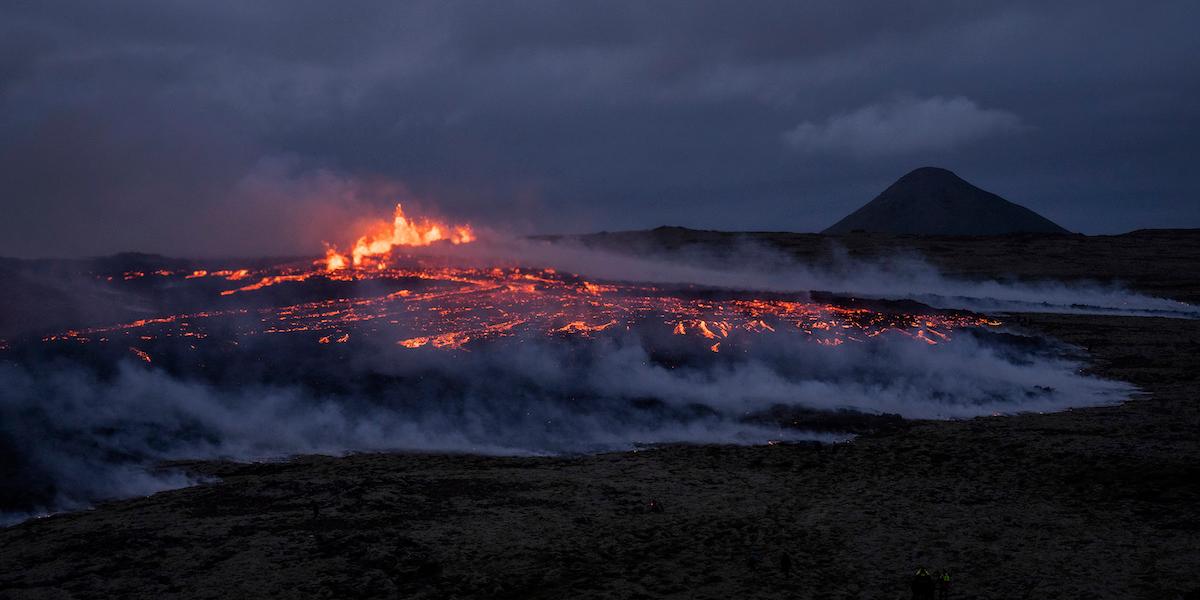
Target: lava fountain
pixel 383 287
pixel 403 230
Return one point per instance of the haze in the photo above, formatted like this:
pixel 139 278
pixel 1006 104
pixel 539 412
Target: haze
pixel 220 128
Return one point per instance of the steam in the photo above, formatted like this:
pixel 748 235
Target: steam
pixel 78 434
pixel 752 266
pixel 94 428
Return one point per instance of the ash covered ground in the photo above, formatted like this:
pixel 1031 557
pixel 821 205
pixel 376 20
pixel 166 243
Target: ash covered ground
pixel 901 364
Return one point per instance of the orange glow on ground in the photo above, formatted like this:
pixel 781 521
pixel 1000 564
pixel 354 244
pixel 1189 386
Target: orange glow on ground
pixel 451 307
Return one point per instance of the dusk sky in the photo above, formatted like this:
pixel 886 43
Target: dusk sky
pixel 237 128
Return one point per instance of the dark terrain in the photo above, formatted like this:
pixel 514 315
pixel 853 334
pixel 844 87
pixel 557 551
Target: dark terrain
pixel 1159 262
pixel 934 201
pixel 1089 503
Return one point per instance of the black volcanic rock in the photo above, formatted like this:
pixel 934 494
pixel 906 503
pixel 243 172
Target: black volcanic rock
pixel 933 201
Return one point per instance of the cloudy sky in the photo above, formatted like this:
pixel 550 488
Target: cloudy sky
pixel 227 128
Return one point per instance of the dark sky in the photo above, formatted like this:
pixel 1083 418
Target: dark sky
pixel 226 128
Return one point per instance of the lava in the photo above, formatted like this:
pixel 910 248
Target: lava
pixel 383 292
pixel 403 230
pixel 451 307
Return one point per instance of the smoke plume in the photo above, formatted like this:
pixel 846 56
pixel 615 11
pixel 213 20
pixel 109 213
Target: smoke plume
pixel 80 432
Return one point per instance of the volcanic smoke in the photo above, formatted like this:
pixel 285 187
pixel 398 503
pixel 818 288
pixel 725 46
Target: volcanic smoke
pixel 423 336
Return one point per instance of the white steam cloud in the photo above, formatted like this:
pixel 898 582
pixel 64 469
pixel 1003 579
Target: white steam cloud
pixel 79 436
pixel 77 433
pixel 753 266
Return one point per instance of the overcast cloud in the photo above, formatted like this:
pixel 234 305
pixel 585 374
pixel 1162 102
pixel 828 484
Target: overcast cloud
pixel 902 126
pixel 245 128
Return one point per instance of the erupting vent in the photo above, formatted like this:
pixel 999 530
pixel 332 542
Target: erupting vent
pixel 380 292
pixel 374 247
pixel 447 307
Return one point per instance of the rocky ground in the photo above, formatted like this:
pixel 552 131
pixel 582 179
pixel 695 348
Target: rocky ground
pixel 1089 503
pixel 1092 503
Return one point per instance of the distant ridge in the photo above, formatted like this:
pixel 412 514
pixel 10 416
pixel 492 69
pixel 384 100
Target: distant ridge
pixel 933 201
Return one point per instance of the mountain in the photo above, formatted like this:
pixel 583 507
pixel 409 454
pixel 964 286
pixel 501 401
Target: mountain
pixel 933 201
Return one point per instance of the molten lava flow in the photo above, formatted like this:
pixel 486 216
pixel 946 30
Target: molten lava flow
pixel 417 301
pixel 402 231
pixel 414 303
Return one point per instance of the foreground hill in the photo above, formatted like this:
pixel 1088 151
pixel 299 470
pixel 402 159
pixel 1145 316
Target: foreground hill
pixel 933 201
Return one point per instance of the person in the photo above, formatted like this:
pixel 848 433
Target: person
pixel 785 564
pixel 922 585
pixel 654 506
pixel 943 585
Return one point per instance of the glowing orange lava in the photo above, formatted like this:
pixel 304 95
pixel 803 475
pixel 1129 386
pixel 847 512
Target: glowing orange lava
pixel 402 231
pixel 422 304
pixel 415 300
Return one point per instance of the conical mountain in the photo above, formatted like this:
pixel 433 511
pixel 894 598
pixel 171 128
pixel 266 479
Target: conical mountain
pixel 933 201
